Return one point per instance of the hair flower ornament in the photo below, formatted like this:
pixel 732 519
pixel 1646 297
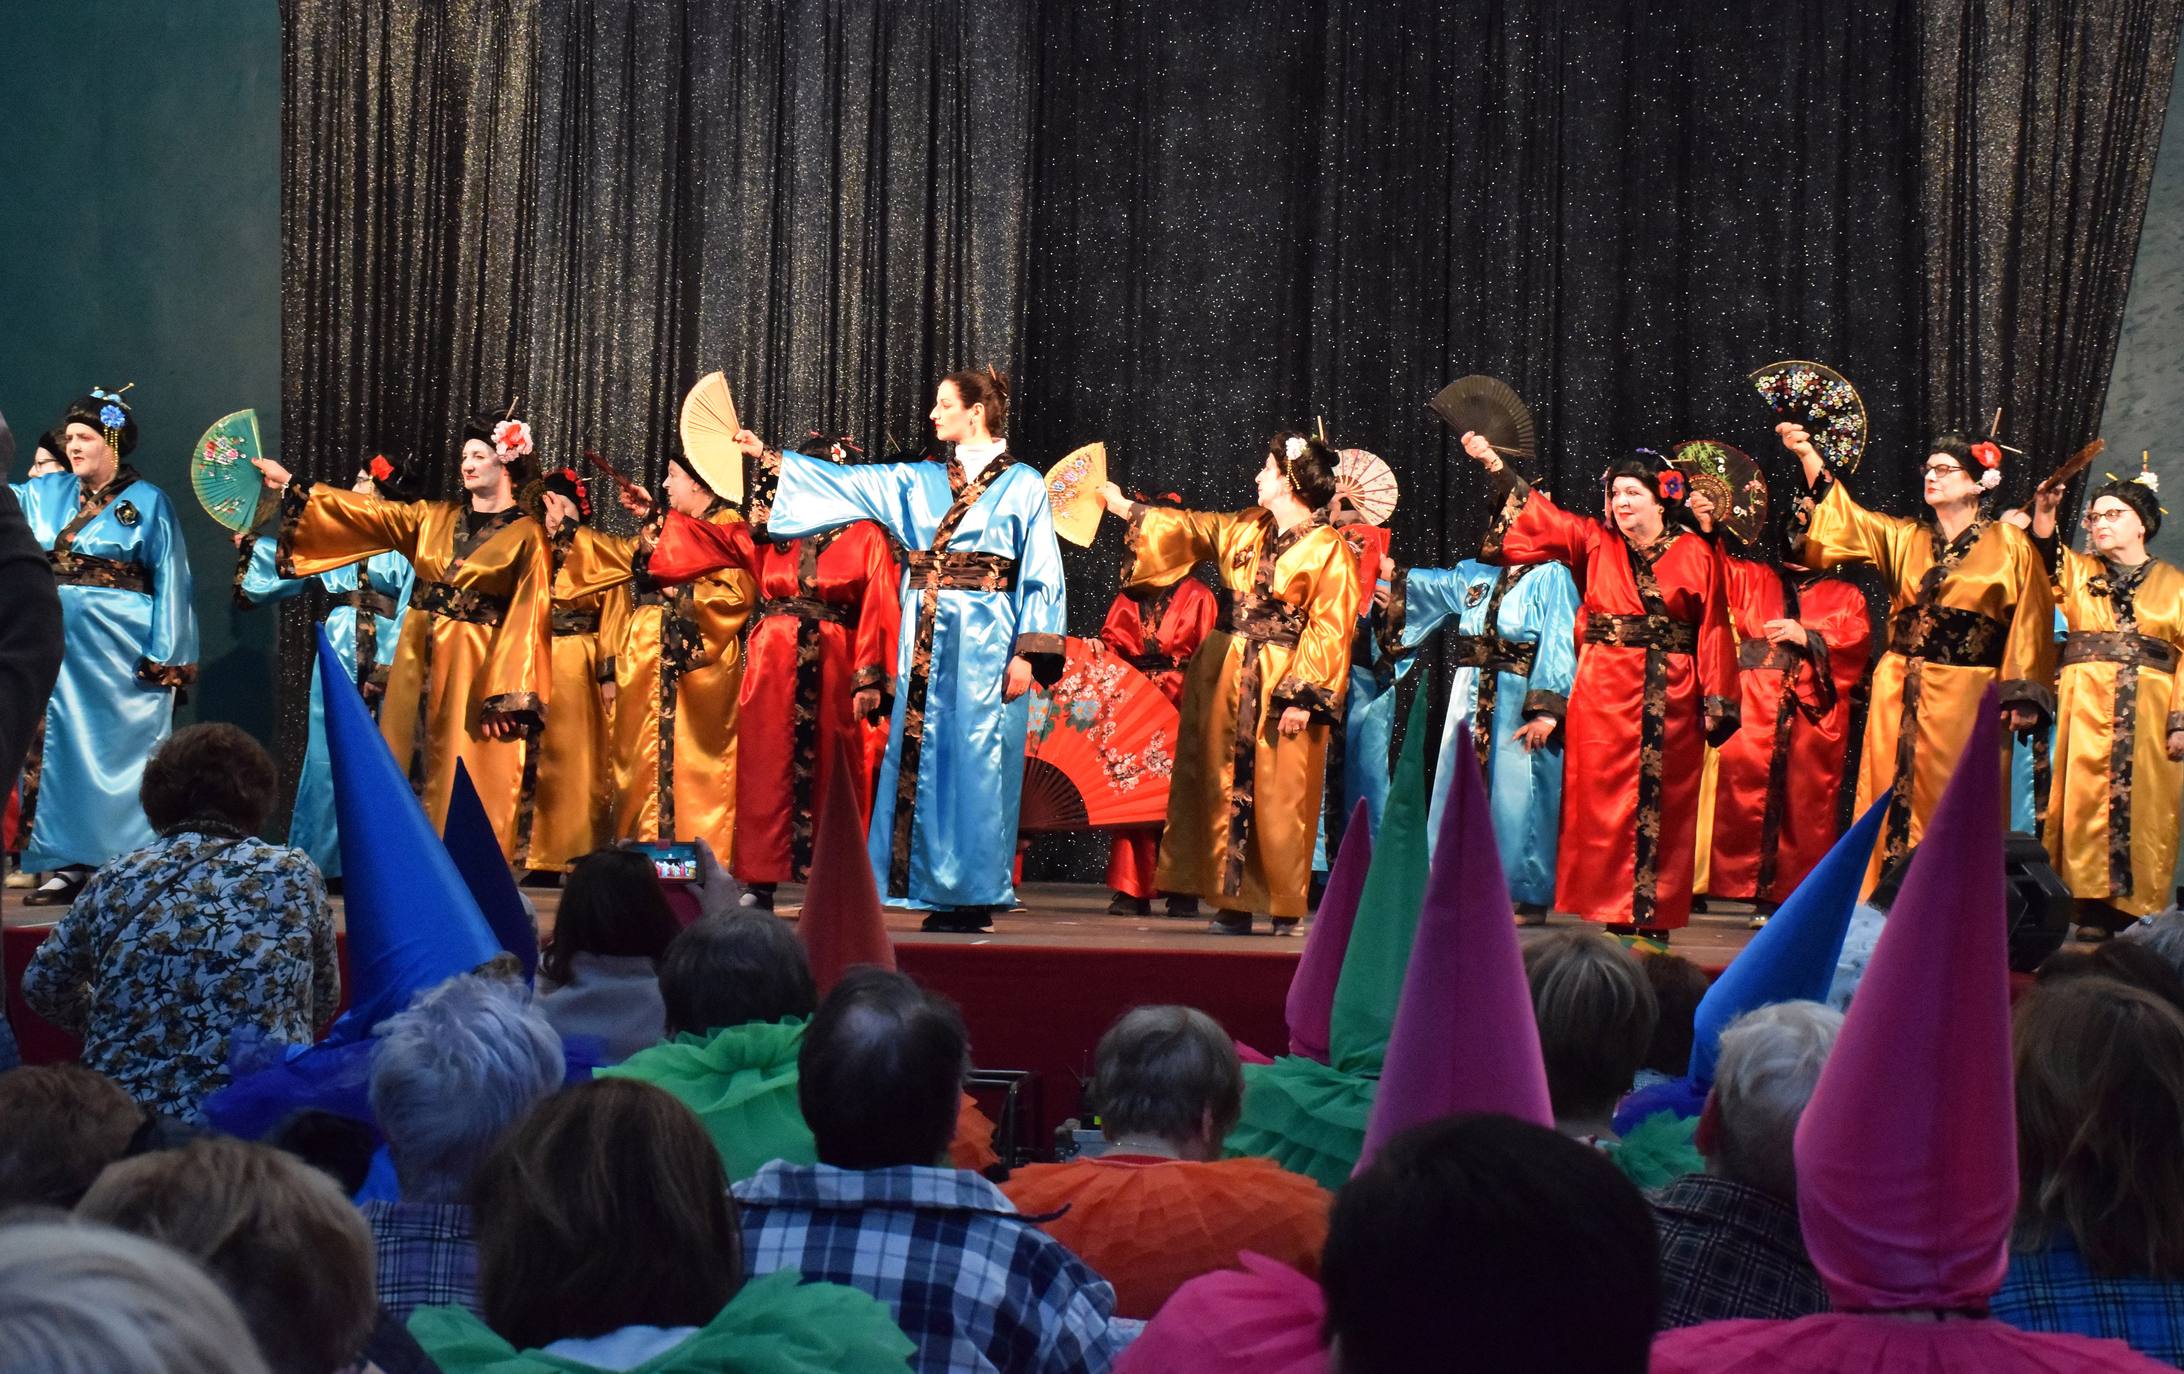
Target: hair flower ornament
pixel 380 468
pixel 1294 448
pixel 1673 487
pixel 1988 455
pixel 512 439
pixel 583 494
pixel 113 416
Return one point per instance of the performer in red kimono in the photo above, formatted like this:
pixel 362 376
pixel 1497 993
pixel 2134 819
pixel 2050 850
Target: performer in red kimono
pixel 1656 679
pixel 821 666
pixel 1155 629
pixel 1803 641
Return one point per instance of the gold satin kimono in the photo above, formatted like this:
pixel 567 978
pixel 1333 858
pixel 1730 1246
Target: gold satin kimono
pixel 474 640
pixel 2112 824
pixel 1244 802
pixel 573 803
pixel 1986 618
pixel 677 652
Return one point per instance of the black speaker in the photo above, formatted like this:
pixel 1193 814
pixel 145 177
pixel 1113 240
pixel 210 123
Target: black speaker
pixel 2040 907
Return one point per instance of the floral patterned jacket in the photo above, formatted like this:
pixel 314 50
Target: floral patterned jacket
pixel 171 948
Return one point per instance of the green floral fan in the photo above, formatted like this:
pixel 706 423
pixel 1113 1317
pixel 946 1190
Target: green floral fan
pixel 221 474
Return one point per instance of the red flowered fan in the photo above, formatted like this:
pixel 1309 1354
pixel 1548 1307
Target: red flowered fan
pixel 1100 748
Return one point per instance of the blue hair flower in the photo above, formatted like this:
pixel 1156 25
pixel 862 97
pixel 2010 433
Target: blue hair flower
pixel 113 416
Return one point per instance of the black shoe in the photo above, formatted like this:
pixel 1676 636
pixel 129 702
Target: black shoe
pixel 757 897
pixel 1126 905
pixel 959 921
pixel 1230 923
pixel 1184 907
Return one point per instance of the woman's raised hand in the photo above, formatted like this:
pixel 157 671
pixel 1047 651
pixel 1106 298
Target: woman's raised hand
pixel 1111 497
pixel 1482 448
pixel 274 474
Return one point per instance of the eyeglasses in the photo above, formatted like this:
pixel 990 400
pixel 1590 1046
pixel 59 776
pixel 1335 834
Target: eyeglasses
pixel 1939 469
pixel 2104 517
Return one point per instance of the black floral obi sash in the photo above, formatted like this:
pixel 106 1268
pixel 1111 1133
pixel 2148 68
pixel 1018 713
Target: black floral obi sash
pixel 1491 652
pixel 563 624
pixel 803 608
pixel 1758 653
pixel 71 569
pixel 962 572
pixel 1669 635
pixel 378 603
pixel 2110 646
pixel 1262 619
pixel 1948 635
pixel 454 603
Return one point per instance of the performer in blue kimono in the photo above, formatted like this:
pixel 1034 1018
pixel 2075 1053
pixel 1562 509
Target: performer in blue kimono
pixel 130 646
pixel 1511 639
pixel 364 606
pixel 983 611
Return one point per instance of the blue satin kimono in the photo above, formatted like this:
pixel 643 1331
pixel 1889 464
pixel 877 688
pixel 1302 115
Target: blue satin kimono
pixel 126 652
pixel 1524 788
pixel 311 828
pixel 969 743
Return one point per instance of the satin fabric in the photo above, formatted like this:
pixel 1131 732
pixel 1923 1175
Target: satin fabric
pixel 572 802
pixel 2024 787
pixel 2001 577
pixel 1524 787
pixel 854 572
pixel 674 731
pixel 1317 576
pixel 1181 614
pixel 311 825
pixel 474 668
pixel 2081 813
pixel 1597 873
pixel 970 775
pixel 102 722
pixel 1832 611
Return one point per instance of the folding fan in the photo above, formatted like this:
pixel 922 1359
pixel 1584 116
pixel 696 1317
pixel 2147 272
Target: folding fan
pixel 1823 401
pixel 709 426
pixel 221 474
pixel 1731 480
pixel 1101 746
pixel 1073 494
pixel 1366 482
pixel 1487 405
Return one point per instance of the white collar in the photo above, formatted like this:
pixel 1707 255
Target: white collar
pixel 976 457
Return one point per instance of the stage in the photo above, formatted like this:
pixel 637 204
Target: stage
pixel 1037 991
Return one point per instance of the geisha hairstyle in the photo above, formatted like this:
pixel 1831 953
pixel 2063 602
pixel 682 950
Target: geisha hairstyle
pixel 1650 470
pixel 984 386
pixel 481 425
pixel 1311 473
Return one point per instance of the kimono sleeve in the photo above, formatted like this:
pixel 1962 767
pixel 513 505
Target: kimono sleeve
pixel 689 548
pixel 813 494
pixel 1042 593
pixel 1838 641
pixel 1319 672
pixel 1721 695
pixel 325 527
pixel 614 613
pixel 879 616
pixel 1124 629
pixel 2028 651
pixel 720 603
pixel 1549 606
pixel 1163 539
pixel 2072 570
pixel 1843 532
pixel 595 562
pixel 1530 528
pixel 257 581
pixel 1191 615
pixel 1420 602
pixel 518 661
pixel 170 654
pixel 401 577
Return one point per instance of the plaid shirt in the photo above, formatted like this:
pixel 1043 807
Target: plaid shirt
pixel 1729 1250
pixel 428 1255
pixel 974 1284
pixel 2054 1290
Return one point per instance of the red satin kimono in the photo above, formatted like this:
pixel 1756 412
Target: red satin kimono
pixel 1155 630
pixel 1635 739
pixel 1780 777
pixel 828 613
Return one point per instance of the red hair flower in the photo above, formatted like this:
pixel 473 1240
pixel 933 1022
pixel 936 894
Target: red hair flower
pixel 380 468
pixel 512 439
pixel 1988 454
pixel 1672 485
pixel 583 497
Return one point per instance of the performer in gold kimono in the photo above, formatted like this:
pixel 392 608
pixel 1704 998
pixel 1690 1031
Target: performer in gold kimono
pixel 2119 721
pixel 470 676
pixel 572 805
pixel 1264 690
pixel 1970 607
pixel 678 667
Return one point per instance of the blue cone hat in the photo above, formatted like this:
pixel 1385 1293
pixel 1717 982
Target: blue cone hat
pixel 476 851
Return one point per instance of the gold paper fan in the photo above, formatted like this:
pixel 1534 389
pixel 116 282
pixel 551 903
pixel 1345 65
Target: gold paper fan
pixel 1367 483
pixel 709 426
pixel 1073 494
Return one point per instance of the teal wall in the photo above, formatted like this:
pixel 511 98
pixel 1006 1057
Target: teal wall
pixel 140 242
pixel 2145 407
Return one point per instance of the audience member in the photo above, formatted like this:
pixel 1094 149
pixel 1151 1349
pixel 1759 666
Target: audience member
pixel 170 949
pixel 2163 933
pixel 2098 1249
pixel 30 659
pixel 1677 985
pixel 607 1241
pixel 1488 1243
pixel 2132 962
pixel 60 1124
pixel 274 1234
pixel 83 1299
pixel 1161 1206
pixel 452 1073
pixel 1596 1019
pixel 600 976
pixel 1730 1243
pixel 975 1285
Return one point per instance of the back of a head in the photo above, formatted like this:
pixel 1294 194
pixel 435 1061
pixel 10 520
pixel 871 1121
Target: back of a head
pixel 2099 1069
pixel 729 970
pixel 1167 1072
pixel 1770 1062
pixel 275 1234
pixel 1678 985
pixel 1596 1017
pixel 611 904
pixel 452 1072
pixel 59 1125
pixel 880 1073
pixel 211 773
pixel 2163 933
pixel 606 1207
pixel 2137 963
pixel 1487 1243
pixel 82 1299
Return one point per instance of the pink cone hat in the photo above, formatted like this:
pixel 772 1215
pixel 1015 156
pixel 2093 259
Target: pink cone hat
pixel 841 924
pixel 1311 1004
